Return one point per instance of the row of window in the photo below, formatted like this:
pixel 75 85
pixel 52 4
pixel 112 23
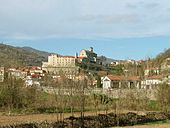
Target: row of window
pixel 65 72
pixel 63 58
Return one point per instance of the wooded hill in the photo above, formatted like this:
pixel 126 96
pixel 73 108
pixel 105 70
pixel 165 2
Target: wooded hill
pixel 21 56
pixel 161 57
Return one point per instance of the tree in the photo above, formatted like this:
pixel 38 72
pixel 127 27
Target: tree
pixel 99 85
pixel 11 95
pixel 117 70
pixel 105 100
pixel 163 96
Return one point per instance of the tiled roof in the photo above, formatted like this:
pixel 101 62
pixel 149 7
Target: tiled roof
pixel 81 57
pixel 132 78
pixel 155 77
pixel 68 56
pixel 115 77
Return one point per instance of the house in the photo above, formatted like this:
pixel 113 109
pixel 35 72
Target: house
pixel 18 74
pixel 28 82
pixel 114 63
pixel 124 62
pixel 31 82
pixel 2 74
pixel 151 82
pixel 36 72
pixel 152 71
pixel 110 82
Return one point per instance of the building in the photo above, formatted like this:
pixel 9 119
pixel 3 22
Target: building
pixel 36 72
pixel 110 82
pixel 152 71
pixel 114 63
pixel 18 74
pixel 68 65
pixel 92 57
pixel 60 65
pixel 30 82
pixel 151 82
pixel 125 62
pixel 2 74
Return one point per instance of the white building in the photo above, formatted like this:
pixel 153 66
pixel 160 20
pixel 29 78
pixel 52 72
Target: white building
pixel 114 63
pixel 28 82
pixel 17 73
pixel 151 71
pixel 31 82
pixel 110 82
pixel 60 61
pixel 36 71
pixel 151 82
pixel 60 64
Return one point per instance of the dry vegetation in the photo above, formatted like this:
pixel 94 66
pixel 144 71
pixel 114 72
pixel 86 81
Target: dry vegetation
pixel 71 98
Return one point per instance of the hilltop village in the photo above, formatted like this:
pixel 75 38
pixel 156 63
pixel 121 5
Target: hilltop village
pixel 53 86
pixel 98 72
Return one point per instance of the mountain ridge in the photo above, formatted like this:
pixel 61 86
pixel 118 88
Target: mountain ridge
pixel 11 56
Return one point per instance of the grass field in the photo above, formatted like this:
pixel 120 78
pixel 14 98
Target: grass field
pixel 159 124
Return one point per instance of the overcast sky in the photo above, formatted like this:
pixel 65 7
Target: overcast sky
pixel 111 22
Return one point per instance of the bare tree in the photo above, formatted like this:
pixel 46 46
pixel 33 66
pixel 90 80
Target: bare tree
pixel 163 96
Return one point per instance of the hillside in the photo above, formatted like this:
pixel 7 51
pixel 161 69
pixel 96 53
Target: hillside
pixel 105 60
pixel 40 53
pixel 21 56
pixel 162 57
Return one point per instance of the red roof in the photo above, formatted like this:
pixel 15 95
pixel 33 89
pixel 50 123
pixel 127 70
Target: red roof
pixel 63 56
pixel 81 57
pixel 133 78
pixel 155 77
pixel 115 77
pixel 68 56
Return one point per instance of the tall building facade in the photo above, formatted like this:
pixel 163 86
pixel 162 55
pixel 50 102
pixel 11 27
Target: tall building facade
pixel 60 64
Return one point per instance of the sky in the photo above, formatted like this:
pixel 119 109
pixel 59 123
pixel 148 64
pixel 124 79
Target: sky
pixel 120 29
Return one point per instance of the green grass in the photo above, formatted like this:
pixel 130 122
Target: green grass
pixel 153 105
pixel 158 122
pixel 152 123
